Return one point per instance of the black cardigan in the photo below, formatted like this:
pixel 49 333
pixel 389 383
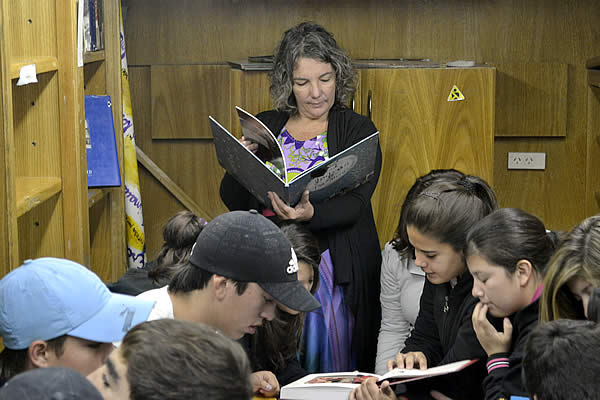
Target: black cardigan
pixel 344 224
pixel 445 337
pixel 507 382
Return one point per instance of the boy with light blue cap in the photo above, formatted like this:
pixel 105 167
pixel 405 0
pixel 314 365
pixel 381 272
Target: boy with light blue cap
pixel 55 312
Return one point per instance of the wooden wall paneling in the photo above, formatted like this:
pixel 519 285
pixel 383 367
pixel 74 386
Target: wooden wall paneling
pixel 250 91
pixel 531 99
pixel 100 240
pixel 183 96
pixel 72 139
pixel 158 205
pixel 557 194
pixel 33 28
pixel 192 164
pixel 209 31
pixel 9 249
pixel 42 230
pixel 420 130
pixel 170 185
pixel 592 198
pixel 141 106
pixel 94 78
pixel 37 127
pixel 116 216
pixel 441 30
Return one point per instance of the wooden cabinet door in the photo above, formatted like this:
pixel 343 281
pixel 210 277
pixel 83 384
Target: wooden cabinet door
pixel 421 130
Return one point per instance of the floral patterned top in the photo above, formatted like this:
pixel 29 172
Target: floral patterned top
pixel 301 155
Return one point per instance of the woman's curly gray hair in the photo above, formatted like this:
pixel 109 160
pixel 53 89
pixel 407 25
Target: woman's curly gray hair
pixel 309 40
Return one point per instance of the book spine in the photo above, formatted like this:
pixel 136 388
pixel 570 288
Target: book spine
pixel 92 19
pixel 100 38
pixel 87 38
pixel 97 25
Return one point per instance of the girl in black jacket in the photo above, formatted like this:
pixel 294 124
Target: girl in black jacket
pixel 506 253
pixel 437 222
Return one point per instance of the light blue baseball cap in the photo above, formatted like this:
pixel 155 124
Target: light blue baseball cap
pixel 49 297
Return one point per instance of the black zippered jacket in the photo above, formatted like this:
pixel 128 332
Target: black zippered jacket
pixel 502 383
pixel 445 335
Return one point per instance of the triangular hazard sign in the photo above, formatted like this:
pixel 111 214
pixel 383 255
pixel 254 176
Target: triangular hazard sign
pixel 455 94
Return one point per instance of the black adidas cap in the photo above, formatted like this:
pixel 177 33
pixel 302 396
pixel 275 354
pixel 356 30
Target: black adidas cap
pixel 247 247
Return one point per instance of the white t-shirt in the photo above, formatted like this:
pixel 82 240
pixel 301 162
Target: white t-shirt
pixel 163 306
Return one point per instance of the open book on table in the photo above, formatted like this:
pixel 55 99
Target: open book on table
pixel 340 173
pixel 338 385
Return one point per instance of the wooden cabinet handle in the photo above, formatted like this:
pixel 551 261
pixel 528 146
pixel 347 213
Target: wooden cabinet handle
pixel 370 105
pixel 597 195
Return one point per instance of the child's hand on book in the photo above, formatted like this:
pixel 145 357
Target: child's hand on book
pixel 253 147
pixel 415 359
pixel 368 390
pixel 303 211
pixel 264 383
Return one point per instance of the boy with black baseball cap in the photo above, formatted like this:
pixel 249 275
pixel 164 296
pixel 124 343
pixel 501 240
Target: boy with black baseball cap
pixel 241 266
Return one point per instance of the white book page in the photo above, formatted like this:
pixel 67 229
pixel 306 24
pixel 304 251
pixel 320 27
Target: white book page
pixel 412 373
pixel 269 150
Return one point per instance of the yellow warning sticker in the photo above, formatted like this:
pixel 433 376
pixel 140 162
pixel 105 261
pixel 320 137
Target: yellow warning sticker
pixel 455 94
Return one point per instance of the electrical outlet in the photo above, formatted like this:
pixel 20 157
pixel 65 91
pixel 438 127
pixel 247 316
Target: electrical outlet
pixel 526 160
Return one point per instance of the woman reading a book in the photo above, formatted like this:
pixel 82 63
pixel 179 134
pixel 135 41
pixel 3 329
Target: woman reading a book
pixel 507 253
pixel 311 82
pixel 573 276
pixel 437 222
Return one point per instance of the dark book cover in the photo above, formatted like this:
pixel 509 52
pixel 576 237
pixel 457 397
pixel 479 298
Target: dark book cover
pixel 101 146
pixel 336 175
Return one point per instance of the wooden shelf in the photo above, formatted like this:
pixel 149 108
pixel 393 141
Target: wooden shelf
pixel 42 64
pixel 31 192
pixel 95 195
pixel 93 56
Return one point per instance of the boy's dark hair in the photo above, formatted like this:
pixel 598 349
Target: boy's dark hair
pixel 277 341
pixel 509 235
pixel 187 278
pixel 447 210
pixel 179 235
pixel 562 360
pixel 169 358
pixel 13 362
pixel 400 243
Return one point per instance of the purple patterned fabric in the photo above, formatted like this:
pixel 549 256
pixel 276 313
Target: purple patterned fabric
pixel 301 155
pixel 327 336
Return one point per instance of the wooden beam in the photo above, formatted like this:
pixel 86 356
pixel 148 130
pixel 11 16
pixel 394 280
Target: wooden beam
pixel 170 185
